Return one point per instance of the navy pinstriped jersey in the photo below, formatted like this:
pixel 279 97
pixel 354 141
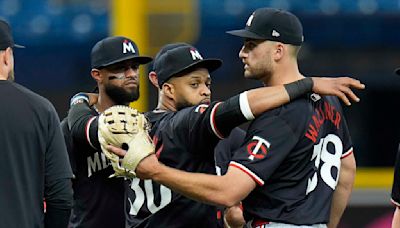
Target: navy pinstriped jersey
pixel 395 197
pixel 294 153
pixel 98 200
pixel 184 140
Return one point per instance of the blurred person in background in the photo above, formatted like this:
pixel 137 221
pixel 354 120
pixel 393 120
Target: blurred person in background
pixel 34 163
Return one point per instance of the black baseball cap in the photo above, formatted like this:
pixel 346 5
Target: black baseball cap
pixel 6 38
pixel 177 58
pixel 116 49
pixel 272 24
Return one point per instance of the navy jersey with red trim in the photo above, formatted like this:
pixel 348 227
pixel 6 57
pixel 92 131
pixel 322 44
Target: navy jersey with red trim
pixel 396 181
pixel 98 199
pixel 184 140
pixel 294 154
pixel 225 148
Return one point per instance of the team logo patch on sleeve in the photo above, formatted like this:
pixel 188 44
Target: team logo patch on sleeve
pixel 257 148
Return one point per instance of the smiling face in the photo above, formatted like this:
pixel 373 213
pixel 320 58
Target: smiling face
pixel 121 81
pixel 191 89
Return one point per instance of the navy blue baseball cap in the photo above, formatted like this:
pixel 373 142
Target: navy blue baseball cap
pixel 115 49
pixel 272 24
pixel 6 38
pixel 175 59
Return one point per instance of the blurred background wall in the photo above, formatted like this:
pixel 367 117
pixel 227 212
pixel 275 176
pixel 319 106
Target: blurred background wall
pixel 358 38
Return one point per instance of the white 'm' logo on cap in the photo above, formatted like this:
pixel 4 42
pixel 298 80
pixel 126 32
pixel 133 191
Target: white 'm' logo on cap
pixel 195 54
pixel 275 33
pixel 248 23
pixel 127 46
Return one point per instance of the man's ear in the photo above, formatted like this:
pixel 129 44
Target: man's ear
pixel 154 79
pixel 8 57
pixel 96 75
pixel 279 51
pixel 168 90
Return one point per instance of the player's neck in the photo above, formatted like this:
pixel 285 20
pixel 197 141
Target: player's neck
pixel 284 75
pixel 166 104
pixel 104 102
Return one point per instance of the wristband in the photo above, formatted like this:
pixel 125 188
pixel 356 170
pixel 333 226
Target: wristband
pixel 79 98
pixel 299 88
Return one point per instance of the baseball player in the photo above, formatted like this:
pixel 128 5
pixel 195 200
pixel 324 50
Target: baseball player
pixel 98 199
pixel 186 136
pixel 296 166
pixel 34 162
pixel 396 192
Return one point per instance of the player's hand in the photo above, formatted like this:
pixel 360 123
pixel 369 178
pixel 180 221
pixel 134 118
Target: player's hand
pixel 146 167
pixel 233 217
pixel 340 87
pixel 90 98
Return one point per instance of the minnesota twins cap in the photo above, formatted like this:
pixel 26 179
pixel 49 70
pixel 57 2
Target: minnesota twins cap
pixel 175 59
pixel 115 49
pixel 272 24
pixel 6 38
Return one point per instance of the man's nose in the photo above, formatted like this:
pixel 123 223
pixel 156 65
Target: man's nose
pixel 131 72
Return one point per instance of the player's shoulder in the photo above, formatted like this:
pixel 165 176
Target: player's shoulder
pixel 35 100
pixel 193 112
pixel 295 114
pixel 292 110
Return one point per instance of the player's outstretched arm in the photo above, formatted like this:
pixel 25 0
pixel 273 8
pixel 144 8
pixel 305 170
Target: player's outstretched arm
pixel 207 188
pixel 343 190
pixel 266 98
pixel 340 87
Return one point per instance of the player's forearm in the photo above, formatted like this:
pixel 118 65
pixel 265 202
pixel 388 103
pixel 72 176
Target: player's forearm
pixel 267 98
pixel 205 188
pixel 342 192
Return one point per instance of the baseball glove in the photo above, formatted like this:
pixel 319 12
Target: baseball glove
pixel 125 127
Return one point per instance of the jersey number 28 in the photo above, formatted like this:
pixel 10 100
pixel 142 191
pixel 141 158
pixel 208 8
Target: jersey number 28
pixel 329 160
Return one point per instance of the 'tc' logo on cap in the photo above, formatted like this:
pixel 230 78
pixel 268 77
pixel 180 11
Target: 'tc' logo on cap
pixel 195 54
pixel 248 23
pixel 127 46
